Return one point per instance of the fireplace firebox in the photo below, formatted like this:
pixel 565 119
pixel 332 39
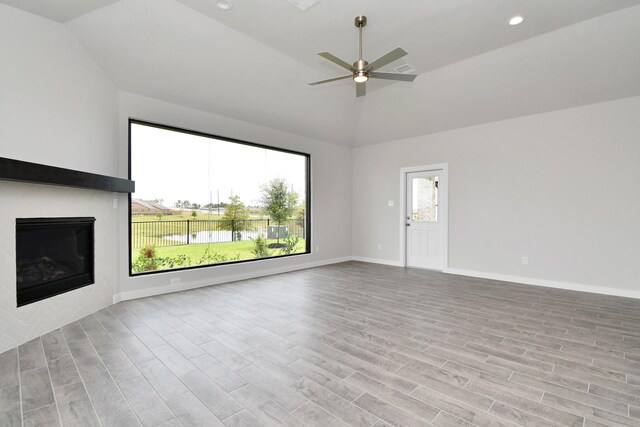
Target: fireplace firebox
pixel 53 256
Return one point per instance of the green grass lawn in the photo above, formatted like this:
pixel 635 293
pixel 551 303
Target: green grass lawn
pixel 230 250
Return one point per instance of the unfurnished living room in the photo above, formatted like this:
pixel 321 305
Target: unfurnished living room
pixel 320 213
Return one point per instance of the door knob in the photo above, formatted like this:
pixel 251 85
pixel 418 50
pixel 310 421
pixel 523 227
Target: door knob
pixel 408 225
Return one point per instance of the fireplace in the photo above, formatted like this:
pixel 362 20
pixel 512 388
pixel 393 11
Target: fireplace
pixel 53 256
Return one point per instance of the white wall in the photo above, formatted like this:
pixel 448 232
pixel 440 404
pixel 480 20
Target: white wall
pixel 330 197
pixel 54 99
pixel 57 107
pixel 561 188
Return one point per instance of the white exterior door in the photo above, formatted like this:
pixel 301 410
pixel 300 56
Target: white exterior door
pixel 424 222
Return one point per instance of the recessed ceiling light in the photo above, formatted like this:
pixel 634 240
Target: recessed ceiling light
pixel 516 20
pixel 224 4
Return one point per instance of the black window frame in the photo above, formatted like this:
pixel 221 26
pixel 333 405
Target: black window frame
pixel 308 236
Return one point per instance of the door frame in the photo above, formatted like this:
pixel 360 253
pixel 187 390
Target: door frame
pixel 443 209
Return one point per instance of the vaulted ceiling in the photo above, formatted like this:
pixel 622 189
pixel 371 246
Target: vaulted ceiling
pixel 253 62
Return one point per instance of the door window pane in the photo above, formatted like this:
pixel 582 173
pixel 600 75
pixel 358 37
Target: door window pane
pixel 425 199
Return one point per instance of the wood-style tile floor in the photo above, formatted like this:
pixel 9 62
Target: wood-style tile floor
pixel 349 344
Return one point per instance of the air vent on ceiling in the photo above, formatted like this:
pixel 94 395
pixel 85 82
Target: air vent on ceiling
pixel 405 69
pixel 304 5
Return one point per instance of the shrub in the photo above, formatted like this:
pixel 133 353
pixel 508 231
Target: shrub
pixel 176 261
pixel 147 260
pixel 290 243
pixel 212 257
pixel 260 247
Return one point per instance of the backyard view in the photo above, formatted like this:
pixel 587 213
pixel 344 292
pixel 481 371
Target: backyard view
pixel 178 218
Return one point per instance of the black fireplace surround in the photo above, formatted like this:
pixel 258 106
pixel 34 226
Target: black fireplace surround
pixel 53 256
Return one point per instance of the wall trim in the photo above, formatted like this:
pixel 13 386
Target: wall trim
pixel 159 290
pixel 603 290
pixel 378 261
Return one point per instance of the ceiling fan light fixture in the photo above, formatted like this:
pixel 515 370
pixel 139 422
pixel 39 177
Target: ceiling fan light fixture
pixel 224 4
pixel 516 20
pixel 360 76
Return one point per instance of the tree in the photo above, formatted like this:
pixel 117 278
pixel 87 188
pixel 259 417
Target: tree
pixel 234 217
pixel 301 217
pixel 301 211
pixel 278 202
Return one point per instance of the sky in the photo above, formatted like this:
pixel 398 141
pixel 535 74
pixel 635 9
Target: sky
pixel 173 166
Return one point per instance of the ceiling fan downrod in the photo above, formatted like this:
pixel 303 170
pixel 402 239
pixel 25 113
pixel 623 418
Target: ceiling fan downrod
pixel 359 75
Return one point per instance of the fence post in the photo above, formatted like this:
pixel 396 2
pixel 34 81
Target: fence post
pixel 233 230
pixel 188 230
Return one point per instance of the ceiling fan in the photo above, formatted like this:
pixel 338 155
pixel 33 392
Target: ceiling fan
pixel 361 70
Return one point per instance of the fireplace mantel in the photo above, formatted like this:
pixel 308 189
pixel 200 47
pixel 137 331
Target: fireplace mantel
pixel 18 170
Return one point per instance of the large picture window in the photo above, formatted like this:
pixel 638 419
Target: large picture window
pixel 202 200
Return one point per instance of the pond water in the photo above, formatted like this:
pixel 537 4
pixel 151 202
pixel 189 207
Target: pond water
pixel 218 236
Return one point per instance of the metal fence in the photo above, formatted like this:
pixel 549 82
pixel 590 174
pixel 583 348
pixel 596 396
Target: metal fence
pixel 185 232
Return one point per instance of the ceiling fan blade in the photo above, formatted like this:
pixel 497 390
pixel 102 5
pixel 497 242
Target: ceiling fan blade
pixel 396 53
pixel 393 76
pixel 336 60
pixel 361 89
pixel 330 80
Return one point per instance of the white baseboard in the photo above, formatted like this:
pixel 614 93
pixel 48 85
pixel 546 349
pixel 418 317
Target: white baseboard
pixel 605 290
pixel 377 261
pixel 141 293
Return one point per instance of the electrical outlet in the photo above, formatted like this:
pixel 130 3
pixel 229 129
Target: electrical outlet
pixel 115 203
pixel 525 260
pixel 317 248
pixel 391 203
pixel 176 281
pixel 379 246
